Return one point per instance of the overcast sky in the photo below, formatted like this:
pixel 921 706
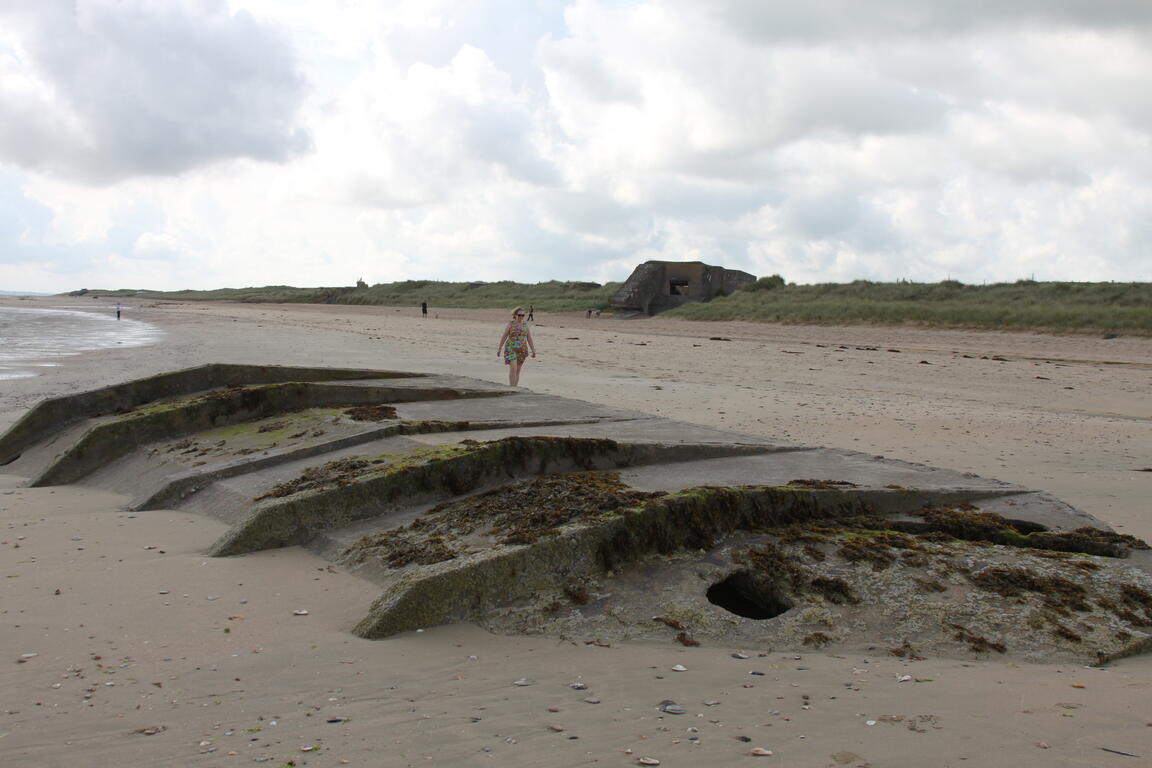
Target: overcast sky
pixel 210 143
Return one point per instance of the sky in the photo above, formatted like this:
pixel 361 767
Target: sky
pixel 171 144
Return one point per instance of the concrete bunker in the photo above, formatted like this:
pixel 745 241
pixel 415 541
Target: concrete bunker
pixel 592 523
pixel 655 286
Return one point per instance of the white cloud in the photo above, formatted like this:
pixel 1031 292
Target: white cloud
pixel 492 140
pixel 103 90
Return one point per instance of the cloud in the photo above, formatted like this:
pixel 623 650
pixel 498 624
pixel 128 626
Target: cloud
pixel 852 20
pixel 259 141
pixel 102 90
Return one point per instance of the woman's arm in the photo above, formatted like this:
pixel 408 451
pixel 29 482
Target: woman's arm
pixel 503 338
pixel 531 343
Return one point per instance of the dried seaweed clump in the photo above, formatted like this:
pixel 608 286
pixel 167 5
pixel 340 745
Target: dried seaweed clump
pixel 966 522
pixel 1059 594
pixel 399 548
pixel 518 513
pixel 769 562
pixel 371 413
pixel 822 485
pixel 522 512
pixel 338 472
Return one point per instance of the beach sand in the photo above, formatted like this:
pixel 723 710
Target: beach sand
pixel 146 652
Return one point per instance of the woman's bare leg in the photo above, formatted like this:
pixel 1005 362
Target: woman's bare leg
pixel 514 373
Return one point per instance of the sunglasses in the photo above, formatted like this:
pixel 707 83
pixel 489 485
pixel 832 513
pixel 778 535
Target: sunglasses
pixel 519 314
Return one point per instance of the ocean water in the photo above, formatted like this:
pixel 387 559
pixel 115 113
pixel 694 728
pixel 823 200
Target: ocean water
pixel 34 338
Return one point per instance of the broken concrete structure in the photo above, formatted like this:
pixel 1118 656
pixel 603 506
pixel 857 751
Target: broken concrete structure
pixel 528 513
pixel 656 286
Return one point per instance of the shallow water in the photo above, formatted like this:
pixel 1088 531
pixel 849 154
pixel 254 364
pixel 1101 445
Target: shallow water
pixel 38 338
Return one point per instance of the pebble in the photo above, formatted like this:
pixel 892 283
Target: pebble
pixel 740 655
pixel 523 682
pixel 761 752
pixel 679 668
pixel 711 703
pixel 647 761
pixel 578 687
pixel 300 612
pixel 591 700
pixel 670 707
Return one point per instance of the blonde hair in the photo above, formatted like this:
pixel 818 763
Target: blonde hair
pixel 517 310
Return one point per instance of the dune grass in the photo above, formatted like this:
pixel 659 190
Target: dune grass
pixel 1063 306
pixel 552 296
pixel 1024 305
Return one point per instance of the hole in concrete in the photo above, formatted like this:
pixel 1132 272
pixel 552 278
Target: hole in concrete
pixel 678 288
pixel 746 596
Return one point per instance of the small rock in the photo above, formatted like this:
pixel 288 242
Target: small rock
pixel 679 668
pixel 711 703
pixel 740 655
pixel 300 612
pixel 578 687
pixel 647 761
pixel 591 700
pixel 523 682
pixel 761 752
pixel 670 707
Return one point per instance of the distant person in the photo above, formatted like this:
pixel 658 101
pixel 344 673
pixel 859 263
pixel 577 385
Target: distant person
pixel 118 310
pixel 588 314
pixel 516 344
pixel 531 313
pixel 424 309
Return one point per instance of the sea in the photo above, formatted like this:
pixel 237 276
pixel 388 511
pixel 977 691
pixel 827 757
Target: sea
pixel 32 339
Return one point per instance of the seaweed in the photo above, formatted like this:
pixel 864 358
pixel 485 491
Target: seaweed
pixel 835 591
pixel 518 513
pixel 822 485
pixel 867 549
pixel 1059 594
pixel 976 643
pixel 371 413
pixel 816 640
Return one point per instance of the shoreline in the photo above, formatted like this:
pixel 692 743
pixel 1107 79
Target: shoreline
pixel 223 664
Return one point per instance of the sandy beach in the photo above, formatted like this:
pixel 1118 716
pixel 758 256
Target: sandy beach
pixel 126 645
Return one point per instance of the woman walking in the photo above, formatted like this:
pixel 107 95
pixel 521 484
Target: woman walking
pixel 516 343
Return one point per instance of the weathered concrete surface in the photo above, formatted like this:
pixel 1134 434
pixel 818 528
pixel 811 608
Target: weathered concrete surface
pixel 714 522
pixel 49 416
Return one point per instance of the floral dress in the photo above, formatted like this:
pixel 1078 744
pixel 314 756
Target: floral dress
pixel 516 346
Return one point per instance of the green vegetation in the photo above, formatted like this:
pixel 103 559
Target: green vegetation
pixel 1115 307
pixel 552 296
pixel 1089 307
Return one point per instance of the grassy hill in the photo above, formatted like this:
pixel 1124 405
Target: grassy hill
pixel 1080 307
pixel 1108 307
pixel 553 296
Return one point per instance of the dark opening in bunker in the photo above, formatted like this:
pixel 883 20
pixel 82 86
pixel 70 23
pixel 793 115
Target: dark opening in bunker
pixel 677 287
pixel 742 594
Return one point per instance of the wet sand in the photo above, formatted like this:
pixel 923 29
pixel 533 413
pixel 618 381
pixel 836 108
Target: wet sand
pixel 134 629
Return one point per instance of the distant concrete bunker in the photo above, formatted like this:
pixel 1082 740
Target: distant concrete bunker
pixel 527 513
pixel 656 286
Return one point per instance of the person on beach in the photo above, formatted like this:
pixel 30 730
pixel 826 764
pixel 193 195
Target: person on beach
pixel 424 309
pixel 516 343
pixel 118 309
pixel 531 312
